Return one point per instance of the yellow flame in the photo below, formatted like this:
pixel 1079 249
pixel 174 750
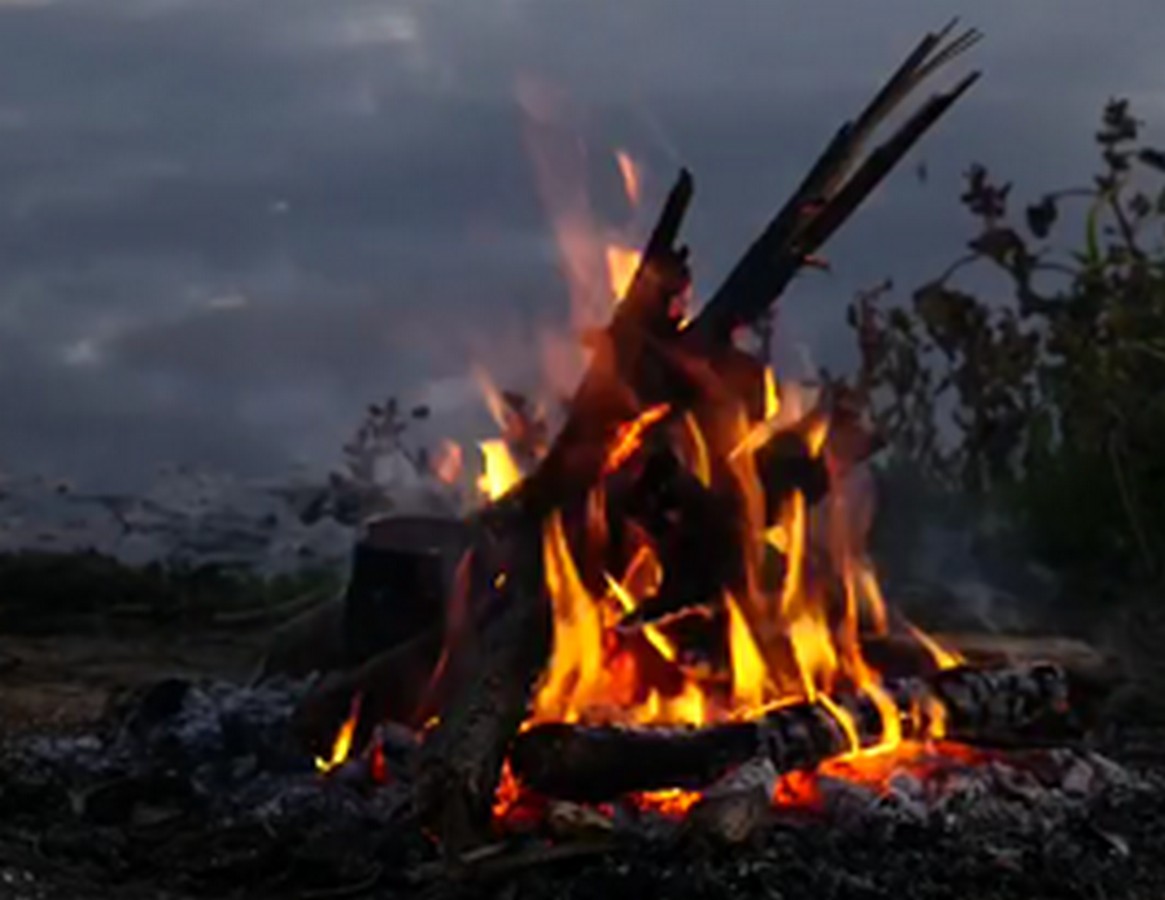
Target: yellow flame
pixel 500 472
pixel 793 523
pixel 943 658
pixel 576 663
pixel 772 397
pixel 622 263
pixel 657 638
pixel 701 465
pixel 342 746
pixel 749 672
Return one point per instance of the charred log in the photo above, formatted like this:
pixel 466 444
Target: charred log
pixel 598 763
pixel 494 660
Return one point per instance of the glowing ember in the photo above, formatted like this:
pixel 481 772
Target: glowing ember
pixel 673 802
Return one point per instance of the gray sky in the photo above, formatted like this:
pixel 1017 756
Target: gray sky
pixel 226 225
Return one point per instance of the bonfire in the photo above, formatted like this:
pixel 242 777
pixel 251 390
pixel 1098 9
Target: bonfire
pixel 673 595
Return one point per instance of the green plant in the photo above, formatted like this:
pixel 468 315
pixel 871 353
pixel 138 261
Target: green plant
pixel 1050 399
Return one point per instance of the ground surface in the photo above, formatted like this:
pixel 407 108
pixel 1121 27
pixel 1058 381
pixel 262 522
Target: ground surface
pixel 60 683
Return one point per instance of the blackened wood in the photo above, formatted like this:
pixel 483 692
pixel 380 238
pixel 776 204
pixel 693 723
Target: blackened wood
pixel 494 661
pixel 826 198
pixel 598 763
pixel 401 574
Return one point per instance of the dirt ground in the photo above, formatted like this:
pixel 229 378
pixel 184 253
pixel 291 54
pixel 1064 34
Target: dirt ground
pixel 61 681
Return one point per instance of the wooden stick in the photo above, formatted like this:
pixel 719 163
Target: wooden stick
pixel 826 198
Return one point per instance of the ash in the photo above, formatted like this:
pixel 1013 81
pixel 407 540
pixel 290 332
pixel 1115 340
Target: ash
pixel 197 787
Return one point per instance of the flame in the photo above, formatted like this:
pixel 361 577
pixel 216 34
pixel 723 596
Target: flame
pixel 749 673
pixel 508 792
pixel 629 171
pixel 701 464
pixel 492 396
pixel 342 745
pixel 622 264
pixel 630 436
pixel 943 658
pixel 448 462
pixel 786 639
pixel 672 802
pixel 500 471
pixel 574 673
pixel 652 633
pixel 772 397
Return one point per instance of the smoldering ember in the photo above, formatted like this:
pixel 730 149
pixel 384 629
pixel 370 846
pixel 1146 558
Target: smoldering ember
pixel 655 659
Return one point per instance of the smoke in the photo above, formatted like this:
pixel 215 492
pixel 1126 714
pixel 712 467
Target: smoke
pixel 952 564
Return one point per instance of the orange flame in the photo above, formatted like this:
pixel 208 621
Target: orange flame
pixel 630 436
pixel 448 462
pixel 786 640
pixel 629 171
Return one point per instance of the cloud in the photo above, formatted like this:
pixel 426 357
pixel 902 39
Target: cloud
pixel 225 227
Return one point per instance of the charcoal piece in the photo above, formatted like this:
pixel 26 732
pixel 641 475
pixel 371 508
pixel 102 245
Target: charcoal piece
pixel 402 570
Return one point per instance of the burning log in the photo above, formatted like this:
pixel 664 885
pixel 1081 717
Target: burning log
pixel 592 764
pixel 495 658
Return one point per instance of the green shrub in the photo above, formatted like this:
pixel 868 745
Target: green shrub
pixel 1048 400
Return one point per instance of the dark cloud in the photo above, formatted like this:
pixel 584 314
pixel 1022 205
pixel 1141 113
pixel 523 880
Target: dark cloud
pixel 226 226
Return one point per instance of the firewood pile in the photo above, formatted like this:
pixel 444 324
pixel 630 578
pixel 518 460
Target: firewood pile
pixel 660 658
